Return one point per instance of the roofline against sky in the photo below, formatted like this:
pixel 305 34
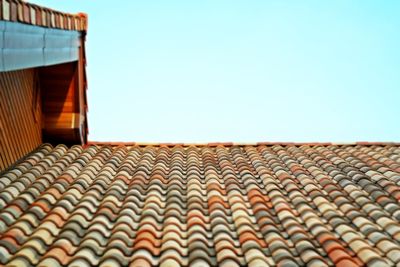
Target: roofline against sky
pixel 228 144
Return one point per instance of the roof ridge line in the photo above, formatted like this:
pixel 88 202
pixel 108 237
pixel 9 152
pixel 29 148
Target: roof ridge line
pixel 227 144
pixel 37 15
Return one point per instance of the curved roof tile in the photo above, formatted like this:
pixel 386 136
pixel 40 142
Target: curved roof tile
pixel 216 204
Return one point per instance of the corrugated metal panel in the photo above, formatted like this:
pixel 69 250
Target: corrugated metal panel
pixel 20 115
pixel 26 46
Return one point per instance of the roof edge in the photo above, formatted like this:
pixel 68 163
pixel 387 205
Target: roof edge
pixel 228 144
pixel 27 13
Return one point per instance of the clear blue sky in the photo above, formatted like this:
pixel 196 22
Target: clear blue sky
pixel 243 71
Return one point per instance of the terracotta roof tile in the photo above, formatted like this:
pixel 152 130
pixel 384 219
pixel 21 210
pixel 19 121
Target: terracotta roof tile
pixel 28 13
pixel 219 204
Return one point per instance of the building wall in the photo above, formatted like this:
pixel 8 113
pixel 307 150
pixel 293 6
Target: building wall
pixel 20 115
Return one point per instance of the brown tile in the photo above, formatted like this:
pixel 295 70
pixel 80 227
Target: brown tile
pixel 225 204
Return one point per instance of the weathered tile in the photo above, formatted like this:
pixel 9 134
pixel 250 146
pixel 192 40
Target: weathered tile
pixel 282 205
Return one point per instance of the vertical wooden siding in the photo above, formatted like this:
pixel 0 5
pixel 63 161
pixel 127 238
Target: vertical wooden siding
pixel 20 115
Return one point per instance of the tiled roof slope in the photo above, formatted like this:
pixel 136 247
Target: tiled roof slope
pixel 230 206
pixel 27 13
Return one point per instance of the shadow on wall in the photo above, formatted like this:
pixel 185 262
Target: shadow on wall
pixel 60 97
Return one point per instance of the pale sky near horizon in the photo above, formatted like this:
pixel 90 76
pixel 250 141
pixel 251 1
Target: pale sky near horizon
pixel 242 71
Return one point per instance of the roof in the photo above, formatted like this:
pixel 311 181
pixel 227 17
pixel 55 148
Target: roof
pixel 27 13
pixel 255 205
pixel 229 144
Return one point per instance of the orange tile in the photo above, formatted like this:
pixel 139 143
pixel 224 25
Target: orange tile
pixel 152 205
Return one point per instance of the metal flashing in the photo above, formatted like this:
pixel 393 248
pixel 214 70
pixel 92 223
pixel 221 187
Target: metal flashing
pixel 26 46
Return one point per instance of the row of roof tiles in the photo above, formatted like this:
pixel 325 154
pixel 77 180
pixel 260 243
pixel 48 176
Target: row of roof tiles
pixel 27 13
pixel 229 144
pixel 202 206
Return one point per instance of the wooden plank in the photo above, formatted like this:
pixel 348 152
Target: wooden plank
pixel 15 105
pixel 20 93
pixel 32 110
pixel 20 130
pixel 8 117
pixel 8 152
